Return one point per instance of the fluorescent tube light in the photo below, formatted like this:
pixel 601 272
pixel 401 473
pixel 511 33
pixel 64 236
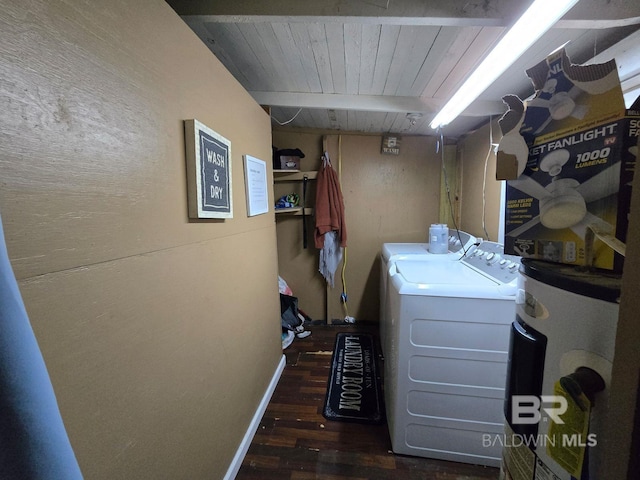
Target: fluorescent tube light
pixel 631 96
pixel 538 18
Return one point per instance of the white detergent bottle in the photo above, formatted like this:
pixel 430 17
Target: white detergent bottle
pixel 438 238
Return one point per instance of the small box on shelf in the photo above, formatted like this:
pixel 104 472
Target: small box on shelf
pixel 287 159
pixel 288 163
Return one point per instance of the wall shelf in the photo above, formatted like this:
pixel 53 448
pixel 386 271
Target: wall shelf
pixel 293 211
pixel 282 176
pixel 293 175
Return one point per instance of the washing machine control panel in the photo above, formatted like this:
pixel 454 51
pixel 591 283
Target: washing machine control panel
pixel 490 260
pixel 459 241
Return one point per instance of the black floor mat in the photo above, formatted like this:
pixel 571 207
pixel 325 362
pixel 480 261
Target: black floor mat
pixel 354 392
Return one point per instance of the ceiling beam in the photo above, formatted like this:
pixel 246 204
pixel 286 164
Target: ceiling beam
pixel 478 9
pixel 595 24
pixel 628 63
pixel 400 21
pixel 371 103
pixel 483 13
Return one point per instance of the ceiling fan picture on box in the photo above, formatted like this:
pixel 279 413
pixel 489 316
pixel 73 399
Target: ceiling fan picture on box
pixel 576 148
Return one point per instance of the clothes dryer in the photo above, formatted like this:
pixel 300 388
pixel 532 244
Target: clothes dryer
pixel 446 360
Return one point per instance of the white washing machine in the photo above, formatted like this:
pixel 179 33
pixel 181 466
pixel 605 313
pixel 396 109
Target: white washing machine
pixel 562 344
pixel 448 341
pixel 459 243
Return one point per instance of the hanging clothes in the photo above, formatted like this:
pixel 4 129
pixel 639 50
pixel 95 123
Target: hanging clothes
pixel 330 256
pixel 330 234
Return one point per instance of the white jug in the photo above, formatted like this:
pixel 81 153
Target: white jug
pixel 438 238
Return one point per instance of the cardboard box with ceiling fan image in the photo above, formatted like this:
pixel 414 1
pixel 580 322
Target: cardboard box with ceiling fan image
pixel 568 154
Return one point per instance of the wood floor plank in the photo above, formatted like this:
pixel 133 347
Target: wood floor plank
pixel 288 408
pixel 262 461
pixel 357 459
pixel 316 476
pixel 275 440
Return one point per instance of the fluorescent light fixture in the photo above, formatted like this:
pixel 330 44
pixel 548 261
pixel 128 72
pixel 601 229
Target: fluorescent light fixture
pixel 631 91
pixel 630 97
pixel 538 18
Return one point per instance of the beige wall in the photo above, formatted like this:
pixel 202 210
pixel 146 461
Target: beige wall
pixel 160 334
pixel 387 199
pixel 478 195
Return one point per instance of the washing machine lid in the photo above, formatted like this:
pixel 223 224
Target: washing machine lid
pixel 594 283
pixel 419 251
pixel 454 279
pixel 393 249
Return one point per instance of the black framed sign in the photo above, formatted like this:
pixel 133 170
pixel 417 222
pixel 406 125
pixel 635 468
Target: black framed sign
pixel 208 155
pixel 390 145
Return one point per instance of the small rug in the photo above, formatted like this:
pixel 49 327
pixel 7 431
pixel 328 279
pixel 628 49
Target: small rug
pixel 354 393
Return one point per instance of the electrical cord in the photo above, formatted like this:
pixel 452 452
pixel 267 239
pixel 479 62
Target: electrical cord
pixel 484 181
pixel 288 121
pixel 344 297
pixel 440 149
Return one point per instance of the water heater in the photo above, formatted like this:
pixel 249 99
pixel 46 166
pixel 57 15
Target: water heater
pixel 559 372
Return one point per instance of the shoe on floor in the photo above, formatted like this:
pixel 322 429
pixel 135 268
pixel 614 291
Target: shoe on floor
pixel 287 338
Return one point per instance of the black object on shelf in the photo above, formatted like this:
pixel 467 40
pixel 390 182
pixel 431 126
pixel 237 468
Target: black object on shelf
pixel 305 180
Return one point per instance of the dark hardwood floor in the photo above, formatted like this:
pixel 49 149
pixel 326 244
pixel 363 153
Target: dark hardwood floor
pixel 294 441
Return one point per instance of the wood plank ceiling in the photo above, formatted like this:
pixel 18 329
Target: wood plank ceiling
pixel 385 66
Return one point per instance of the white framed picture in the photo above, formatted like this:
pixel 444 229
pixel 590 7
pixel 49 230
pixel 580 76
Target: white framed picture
pixel 209 180
pixel 255 179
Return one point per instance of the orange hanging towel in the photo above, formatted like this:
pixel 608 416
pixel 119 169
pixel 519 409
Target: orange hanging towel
pixel 329 206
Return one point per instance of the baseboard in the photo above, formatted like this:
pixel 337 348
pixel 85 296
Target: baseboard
pixel 236 463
